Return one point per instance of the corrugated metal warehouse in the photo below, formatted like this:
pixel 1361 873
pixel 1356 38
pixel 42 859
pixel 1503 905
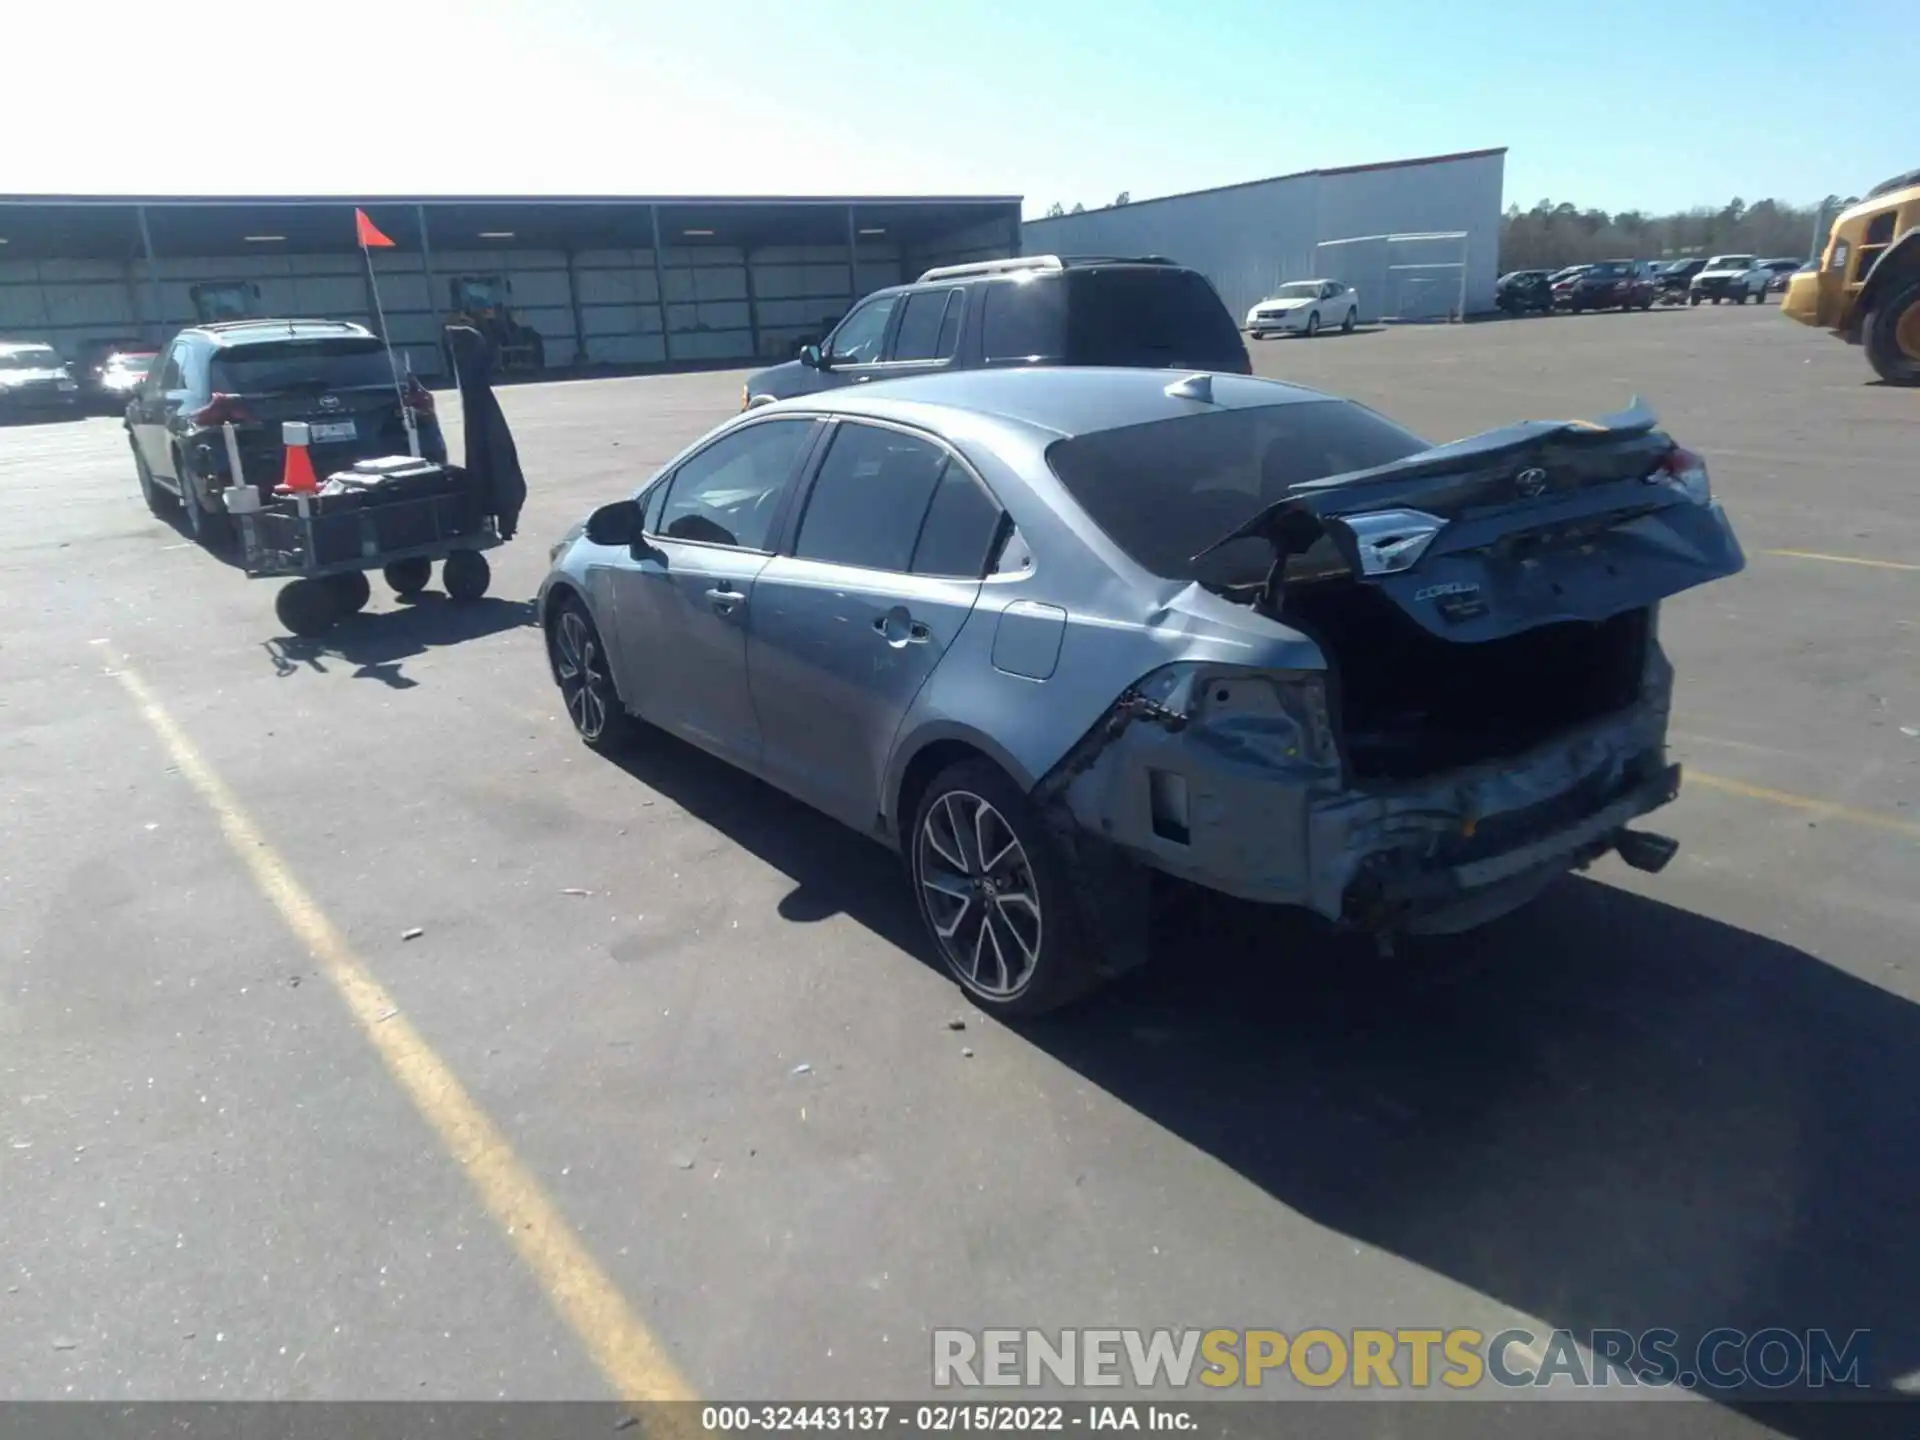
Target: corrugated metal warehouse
pixel 600 281
pixel 1418 238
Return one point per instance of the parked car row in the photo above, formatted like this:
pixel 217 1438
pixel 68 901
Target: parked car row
pixel 1638 284
pixel 35 382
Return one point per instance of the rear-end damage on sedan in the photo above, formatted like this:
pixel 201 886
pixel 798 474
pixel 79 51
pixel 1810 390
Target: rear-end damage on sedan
pixel 1483 705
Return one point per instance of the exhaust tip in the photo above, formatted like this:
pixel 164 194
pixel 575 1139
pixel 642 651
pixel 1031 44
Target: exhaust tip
pixel 1645 851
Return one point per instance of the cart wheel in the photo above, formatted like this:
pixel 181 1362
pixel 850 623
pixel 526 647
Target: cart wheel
pixel 466 574
pixel 351 591
pixel 409 577
pixel 306 607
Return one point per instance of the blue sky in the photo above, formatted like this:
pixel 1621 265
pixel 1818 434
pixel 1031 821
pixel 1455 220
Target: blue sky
pixel 1619 104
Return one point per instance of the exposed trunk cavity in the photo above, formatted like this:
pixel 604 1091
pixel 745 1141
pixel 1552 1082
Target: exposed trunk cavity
pixel 1407 703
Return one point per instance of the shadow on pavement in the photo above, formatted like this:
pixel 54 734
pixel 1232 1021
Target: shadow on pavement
pixel 376 643
pixel 1603 1111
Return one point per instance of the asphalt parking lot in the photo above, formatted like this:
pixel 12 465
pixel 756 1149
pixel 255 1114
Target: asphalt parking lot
pixel 664 1097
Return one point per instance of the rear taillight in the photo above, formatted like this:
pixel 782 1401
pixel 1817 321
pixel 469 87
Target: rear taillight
pixel 419 398
pixel 222 408
pixel 1685 472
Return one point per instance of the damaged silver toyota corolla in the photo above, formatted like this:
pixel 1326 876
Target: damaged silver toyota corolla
pixel 1040 629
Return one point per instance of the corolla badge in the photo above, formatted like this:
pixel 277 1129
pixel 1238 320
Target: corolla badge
pixel 1531 481
pixel 1450 587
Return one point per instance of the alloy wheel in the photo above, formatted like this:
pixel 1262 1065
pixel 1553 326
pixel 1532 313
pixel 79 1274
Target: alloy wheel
pixel 980 893
pixel 581 668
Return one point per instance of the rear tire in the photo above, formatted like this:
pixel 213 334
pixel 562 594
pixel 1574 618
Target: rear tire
pixel 307 608
pixel 1891 334
pixel 408 577
pixel 994 895
pixel 351 591
pixel 162 504
pixel 210 529
pixel 466 575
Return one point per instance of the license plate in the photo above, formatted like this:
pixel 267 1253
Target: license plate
pixel 333 430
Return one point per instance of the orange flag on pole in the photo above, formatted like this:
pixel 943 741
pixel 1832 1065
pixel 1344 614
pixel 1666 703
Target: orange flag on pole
pixel 368 232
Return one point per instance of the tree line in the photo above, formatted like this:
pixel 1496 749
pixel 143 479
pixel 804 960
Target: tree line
pixel 1551 235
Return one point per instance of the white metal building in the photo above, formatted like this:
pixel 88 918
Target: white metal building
pixel 1417 232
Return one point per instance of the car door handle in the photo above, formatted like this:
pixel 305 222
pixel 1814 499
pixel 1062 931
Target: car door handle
pixel 917 631
pixel 724 597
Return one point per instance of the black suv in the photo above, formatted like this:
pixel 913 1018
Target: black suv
pixel 258 373
pixel 1033 310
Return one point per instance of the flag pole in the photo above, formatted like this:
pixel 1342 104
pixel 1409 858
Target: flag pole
pixel 386 339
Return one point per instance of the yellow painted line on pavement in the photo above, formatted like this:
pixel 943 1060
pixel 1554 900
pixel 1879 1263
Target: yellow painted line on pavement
pixel 1801 802
pixel 633 1361
pixel 1841 559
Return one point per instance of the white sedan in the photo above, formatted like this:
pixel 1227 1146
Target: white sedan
pixel 1304 307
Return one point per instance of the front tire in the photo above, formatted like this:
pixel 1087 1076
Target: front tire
pixel 1313 325
pixel 1891 335
pixel 579 662
pixel 994 894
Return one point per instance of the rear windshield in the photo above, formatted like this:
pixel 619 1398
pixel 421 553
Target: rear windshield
pixel 334 364
pixel 37 357
pixel 139 364
pixel 1123 315
pixel 1164 491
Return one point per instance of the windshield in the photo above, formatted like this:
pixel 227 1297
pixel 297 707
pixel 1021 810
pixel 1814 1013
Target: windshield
pixel 137 364
pixel 301 365
pixel 1608 270
pixel 1730 262
pixel 1297 290
pixel 31 357
pixel 1165 491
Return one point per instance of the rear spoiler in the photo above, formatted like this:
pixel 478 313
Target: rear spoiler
pixel 1511 465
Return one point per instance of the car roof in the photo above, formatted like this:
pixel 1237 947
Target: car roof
pixel 1063 400
pixel 24 345
pixel 255 332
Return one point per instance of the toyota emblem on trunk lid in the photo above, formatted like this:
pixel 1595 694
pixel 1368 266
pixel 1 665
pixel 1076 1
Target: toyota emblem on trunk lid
pixel 1530 481
pixel 329 402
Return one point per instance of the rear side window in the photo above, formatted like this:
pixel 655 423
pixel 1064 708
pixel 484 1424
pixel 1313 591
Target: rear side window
pixel 1025 319
pixel 962 523
pixel 301 365
pixel 1149 315
pixel 1165 491
pixel 924 333
pixel 870 498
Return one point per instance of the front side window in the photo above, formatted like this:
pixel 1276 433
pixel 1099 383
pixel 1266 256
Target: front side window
pixel 870 498
pixel 729 492
pixel 857 341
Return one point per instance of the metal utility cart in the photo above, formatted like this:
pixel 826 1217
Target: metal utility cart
pixel 327 543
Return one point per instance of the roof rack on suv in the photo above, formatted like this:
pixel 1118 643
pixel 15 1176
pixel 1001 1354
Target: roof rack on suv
pixel 993 267
pixel 289 323
pixel 1016 263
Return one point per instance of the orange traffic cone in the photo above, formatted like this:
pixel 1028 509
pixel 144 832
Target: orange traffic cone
pixel 298 477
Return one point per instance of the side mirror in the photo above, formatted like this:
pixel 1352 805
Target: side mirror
pixel 615 524
pixel 811 357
